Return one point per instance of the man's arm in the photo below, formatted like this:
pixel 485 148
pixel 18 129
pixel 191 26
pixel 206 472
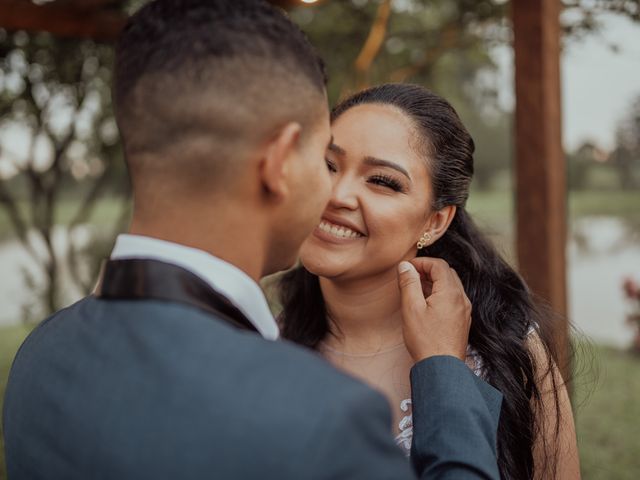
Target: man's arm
pixel 455 421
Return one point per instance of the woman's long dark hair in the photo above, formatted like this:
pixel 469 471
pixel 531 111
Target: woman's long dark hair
pixel 504 310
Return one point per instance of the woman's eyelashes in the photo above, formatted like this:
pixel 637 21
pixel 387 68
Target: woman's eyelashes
pixel 380 179
pixel 331 166
pixel 387 181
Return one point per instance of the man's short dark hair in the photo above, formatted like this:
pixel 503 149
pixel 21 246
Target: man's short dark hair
pixel 222 72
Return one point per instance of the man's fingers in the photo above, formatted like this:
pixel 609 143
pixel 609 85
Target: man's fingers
pixel 456 278
pixel 407 275
pixel 434 269
pixel 410 289
pixel 437 324
pixel 467 302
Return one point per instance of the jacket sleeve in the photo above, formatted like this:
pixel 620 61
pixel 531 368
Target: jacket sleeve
pixel 455 421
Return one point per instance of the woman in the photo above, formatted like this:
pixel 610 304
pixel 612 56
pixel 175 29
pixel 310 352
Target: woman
pixel 402 163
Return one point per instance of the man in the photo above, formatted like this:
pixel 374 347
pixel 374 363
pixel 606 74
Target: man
pixel 172 369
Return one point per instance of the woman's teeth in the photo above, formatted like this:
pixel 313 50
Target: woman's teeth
pixel 338 230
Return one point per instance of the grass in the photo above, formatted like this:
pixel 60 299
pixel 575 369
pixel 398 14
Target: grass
pixel 107 211
pixel 605 202
pixel 608 412
pixel 607 409
pixel 497 205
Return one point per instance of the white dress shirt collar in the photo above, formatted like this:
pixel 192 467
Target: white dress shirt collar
pixel 224 277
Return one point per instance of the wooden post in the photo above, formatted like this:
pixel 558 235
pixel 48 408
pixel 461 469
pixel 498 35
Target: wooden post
pixel 64 19
pixel 540 164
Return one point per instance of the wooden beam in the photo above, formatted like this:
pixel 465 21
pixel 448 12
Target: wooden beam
pixel 100 20
pixel 287 4
pixel 89 5
pixel 61 20
pixel 540 164
pixel 283 3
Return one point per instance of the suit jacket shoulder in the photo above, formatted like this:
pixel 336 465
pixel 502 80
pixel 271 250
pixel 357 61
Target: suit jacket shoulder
pixel 102 378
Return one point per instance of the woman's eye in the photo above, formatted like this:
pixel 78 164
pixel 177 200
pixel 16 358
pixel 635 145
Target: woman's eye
pixel 386 181
pixel 331 166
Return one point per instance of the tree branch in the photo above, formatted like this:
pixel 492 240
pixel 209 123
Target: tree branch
pixel 373 43
pixel 19 224
pixel 448 39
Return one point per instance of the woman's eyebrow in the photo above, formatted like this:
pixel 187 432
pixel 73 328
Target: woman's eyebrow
pixel 372 161
pixel 335 148
pixel 378 162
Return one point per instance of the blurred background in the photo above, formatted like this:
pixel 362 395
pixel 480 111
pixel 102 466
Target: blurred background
pixel 64 194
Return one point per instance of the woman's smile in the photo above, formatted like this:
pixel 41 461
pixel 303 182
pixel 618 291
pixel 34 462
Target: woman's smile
pixel 336 233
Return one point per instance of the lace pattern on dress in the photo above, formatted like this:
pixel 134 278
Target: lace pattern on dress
pixel 406 427
pixel 403 439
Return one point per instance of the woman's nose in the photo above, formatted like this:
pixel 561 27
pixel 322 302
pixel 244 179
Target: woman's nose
pixel 344 194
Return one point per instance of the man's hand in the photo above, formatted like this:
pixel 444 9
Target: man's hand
pixel 435 309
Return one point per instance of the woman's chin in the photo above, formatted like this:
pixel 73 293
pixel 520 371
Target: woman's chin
pixel 322 267
pixel 324 260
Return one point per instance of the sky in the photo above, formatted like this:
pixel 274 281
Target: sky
pixel 598 85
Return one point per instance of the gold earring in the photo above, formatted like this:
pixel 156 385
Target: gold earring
pixel 424 241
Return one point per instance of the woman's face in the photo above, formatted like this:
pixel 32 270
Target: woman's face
pixel 379 206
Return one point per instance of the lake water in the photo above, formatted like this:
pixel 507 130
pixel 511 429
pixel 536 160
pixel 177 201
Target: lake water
pixel 601 253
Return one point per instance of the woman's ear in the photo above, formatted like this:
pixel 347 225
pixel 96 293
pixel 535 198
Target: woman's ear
pixel 439 222
pixel 275 163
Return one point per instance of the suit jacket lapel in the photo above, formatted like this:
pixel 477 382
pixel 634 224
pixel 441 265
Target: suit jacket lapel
pixel 145 279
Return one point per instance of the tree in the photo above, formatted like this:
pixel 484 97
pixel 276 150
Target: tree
pixel 626 155
pixel 56 93
pixel 367 42
pixel 442 44
pixel 580 162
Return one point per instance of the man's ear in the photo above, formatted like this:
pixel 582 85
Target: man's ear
pixel 275 165
pixel 439 222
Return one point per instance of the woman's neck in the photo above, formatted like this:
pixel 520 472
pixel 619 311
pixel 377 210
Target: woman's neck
pixel 365 315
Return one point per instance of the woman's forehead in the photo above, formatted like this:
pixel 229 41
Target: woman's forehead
pixel 377 130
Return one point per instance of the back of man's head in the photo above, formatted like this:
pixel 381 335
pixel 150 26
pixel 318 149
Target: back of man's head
pixel 199 83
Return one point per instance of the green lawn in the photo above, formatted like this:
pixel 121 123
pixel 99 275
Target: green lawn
pixel 605 202
pixel 497 205
pixel 608 416
pixel 106 213
pixel 607 400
